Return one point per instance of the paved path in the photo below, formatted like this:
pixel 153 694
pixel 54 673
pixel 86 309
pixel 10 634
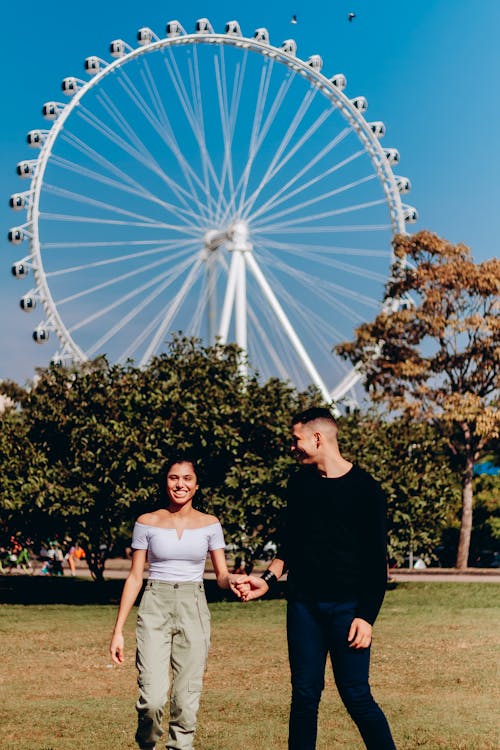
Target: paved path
pixel 487 575
pixel 118 568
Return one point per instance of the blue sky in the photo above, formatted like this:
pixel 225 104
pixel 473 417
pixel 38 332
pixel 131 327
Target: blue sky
pixel 430 70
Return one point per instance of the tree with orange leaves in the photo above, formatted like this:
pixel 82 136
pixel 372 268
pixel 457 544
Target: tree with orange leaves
pixel 437 356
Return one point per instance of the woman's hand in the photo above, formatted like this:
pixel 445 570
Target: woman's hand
pixel 116 648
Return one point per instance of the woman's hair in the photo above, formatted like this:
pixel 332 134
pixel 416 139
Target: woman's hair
pixel 180 458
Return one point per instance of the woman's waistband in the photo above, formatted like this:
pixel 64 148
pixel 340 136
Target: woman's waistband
pixel 175 585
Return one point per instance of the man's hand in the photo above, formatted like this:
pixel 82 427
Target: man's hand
pixel 253 588
pixel 360 633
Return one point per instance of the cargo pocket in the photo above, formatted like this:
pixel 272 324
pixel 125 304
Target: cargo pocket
pixel 204 615
pixel 148 602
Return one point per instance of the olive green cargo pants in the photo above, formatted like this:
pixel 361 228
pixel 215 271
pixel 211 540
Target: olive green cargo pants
pixel 173 630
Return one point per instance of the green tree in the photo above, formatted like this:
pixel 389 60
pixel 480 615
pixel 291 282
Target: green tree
pixel 403 455
pixel 79 421
pixel 22 469
pixel 437 359
pixel 101 434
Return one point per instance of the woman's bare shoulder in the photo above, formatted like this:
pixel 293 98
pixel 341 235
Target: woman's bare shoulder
pixel 149 519
pixel 206 519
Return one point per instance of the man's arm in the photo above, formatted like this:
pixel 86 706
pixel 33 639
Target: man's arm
pixel 374 583
pixel 256 587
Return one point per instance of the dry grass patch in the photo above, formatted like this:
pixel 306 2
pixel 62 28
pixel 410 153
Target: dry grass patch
pixel 434 672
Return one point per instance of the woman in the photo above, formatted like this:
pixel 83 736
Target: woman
pixel 173 623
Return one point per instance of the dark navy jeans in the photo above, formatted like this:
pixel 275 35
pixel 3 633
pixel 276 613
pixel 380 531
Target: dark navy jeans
pixel 316 629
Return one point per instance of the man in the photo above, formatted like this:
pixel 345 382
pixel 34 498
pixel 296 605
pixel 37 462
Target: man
pixel 334 548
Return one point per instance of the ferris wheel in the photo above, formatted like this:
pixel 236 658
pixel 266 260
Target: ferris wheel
pixel 213 184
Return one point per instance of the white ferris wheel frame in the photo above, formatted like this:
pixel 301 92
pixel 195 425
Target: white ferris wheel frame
pixel 236 236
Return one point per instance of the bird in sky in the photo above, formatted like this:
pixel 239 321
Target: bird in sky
pixel 293 19
pixel 351 16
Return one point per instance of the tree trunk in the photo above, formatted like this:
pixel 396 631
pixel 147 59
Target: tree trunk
pixel 466 522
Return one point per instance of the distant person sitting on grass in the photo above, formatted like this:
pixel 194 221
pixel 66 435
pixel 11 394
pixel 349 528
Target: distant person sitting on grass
pixel 75 552
pixel 173 623
pixel 334 547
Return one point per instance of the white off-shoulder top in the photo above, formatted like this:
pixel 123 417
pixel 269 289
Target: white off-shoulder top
pixel 177 559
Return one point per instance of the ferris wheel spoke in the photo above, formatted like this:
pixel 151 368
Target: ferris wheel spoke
pixel 166 132
pixel 197 91
pixel 317 327
pixel 148 330
pixel 322 215
pixel 77 218
pixel 85 199
pixel 291 153
pixel 197 130
pixel 195 325
pixel 324 197
pixel 116 280
pixel 284 321
pixel 265 79
pixel 285 194
pixel 245 173
pixel 167 278
pixel 129 256
pixel 172 309
pixel 277 162
pixel 327 250
pixel 164 129
pixel 292 366
pixel 328 229
pixel 258 338
pixel 259 129
pixel 139 153
pixel 70 166
pixel 228 116
pixel 126 178
pixel 138 341
pixel 326 260
pixel 328 290
pixel 277 346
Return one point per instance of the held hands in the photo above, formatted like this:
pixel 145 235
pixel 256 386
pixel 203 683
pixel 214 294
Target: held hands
pixel 248 587
pixel 238 584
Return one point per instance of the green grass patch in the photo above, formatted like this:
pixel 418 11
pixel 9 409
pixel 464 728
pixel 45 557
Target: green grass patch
pixel 434 672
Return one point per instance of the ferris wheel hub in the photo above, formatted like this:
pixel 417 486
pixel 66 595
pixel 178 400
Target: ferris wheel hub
pixel 235 237
pixel 238 237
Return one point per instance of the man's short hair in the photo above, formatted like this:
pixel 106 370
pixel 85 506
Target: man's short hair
pixel 315 412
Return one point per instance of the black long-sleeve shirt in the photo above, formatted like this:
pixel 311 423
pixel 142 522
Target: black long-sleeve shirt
pixel 333 539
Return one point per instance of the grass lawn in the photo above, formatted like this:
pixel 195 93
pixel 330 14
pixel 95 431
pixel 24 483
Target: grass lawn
pixel 434 671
